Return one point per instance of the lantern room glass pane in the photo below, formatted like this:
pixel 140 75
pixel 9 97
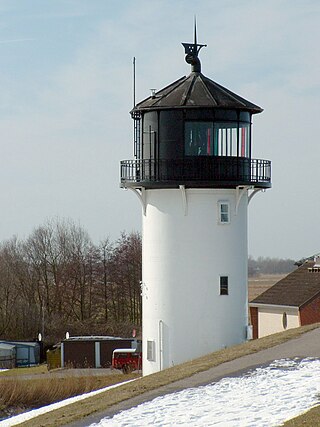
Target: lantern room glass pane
pixel 226 137
pixel 244 137
pixel 217 138
pixel 198 138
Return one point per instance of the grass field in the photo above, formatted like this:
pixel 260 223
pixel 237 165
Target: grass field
pixel 109 398
pixel 258 284
pixel 34 370
pixel 26 388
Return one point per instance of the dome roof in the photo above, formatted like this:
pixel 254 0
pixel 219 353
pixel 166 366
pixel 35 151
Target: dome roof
pixel 196 90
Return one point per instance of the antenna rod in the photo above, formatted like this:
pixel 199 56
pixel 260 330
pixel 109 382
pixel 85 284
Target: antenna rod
pixel 134 81
pixel 192 51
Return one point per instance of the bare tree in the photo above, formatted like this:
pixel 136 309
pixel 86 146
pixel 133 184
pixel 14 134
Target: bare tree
pixel 58 280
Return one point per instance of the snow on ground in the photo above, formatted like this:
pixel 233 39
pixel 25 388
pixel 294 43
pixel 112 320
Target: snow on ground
pixel 264 397
pixel 13 421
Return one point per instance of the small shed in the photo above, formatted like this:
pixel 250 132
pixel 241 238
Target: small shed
pixel 26 353
pixel 92 351
pixel 7 356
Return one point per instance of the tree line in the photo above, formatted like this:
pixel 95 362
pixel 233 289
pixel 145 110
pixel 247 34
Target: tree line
pixel 57 280
pixel 267 265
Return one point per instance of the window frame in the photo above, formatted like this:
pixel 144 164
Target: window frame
pixel 224 285
pixel 220 213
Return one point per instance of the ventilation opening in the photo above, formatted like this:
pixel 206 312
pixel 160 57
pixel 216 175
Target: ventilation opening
pixel 314 269
pixel 151 350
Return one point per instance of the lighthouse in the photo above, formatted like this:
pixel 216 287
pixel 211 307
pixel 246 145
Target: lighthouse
pixel 194 176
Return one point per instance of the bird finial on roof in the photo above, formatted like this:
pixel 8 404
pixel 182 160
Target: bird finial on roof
pixel 192 50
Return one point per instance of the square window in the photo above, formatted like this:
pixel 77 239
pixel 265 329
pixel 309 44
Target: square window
pixel 224 290
pixel 224 212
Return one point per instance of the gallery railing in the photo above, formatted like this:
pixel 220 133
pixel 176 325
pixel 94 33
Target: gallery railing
pixel 214 171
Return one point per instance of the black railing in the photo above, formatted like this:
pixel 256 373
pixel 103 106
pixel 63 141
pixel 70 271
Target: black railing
pixel 212 171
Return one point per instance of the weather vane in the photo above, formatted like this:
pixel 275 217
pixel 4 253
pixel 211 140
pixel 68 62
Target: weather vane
pixel 192 50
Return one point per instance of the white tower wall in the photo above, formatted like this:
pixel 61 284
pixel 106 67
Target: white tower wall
pixel 185 250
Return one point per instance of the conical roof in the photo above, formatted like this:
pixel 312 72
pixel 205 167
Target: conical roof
pixel 196 90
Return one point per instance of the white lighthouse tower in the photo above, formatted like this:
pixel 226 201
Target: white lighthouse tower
pixel 194 175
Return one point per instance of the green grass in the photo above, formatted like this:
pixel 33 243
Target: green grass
pixel 109 398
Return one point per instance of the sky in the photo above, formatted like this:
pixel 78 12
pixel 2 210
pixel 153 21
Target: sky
pixel 66 93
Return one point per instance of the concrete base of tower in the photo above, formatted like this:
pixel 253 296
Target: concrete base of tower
pixel 194 285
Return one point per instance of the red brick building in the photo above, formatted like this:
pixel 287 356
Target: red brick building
pixel 292 302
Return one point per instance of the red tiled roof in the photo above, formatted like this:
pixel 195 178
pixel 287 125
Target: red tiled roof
pixel 294 290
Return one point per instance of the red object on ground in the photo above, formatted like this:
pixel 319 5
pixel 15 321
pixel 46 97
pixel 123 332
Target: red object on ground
pixel 127 359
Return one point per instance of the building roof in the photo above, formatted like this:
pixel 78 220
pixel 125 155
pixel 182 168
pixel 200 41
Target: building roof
pixel 303 260
pixel 295 290
pixel 5 346
pixel 97 338
pixel 196 90
pixel 21 343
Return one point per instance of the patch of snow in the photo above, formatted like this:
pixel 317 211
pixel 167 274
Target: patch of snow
pixel 264 397
pixel 36 412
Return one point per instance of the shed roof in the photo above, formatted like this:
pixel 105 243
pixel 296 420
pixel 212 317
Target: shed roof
pixel 4 346
pixel 22 343
pixel 196 90
pixel 296 289
pixel 96 338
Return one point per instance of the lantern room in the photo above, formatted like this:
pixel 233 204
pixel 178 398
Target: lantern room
pixel 196 133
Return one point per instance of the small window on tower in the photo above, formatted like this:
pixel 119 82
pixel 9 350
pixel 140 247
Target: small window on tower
pixel 224 285
pixel 224 212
